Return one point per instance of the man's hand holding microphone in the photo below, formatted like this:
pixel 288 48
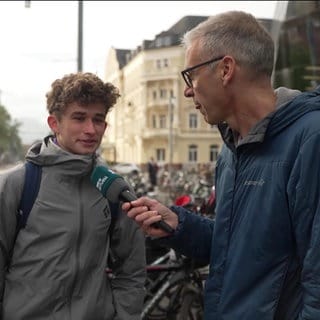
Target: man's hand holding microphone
pixel 147 212
pixel 154 218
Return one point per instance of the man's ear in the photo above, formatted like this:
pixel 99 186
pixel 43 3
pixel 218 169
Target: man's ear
pixel 227 72
pixel 53 123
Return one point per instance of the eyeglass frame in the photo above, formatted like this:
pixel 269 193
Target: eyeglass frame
pixel 185 73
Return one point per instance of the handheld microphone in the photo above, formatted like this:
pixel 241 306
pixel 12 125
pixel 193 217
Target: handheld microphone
pixel 115 188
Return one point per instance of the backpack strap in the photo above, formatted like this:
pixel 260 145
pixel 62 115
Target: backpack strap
pixel 30 191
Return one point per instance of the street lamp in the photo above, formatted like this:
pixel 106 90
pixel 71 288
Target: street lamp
pixel 80 35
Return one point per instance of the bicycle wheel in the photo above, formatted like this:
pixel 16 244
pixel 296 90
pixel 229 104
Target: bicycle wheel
pixel 163 307
pixel 191 306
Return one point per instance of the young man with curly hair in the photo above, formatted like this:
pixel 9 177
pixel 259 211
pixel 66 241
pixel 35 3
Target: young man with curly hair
pixel 55 268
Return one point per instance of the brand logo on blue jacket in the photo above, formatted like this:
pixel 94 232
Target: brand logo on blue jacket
pixel 259 183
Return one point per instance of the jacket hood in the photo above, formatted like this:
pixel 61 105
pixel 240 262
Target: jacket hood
pixel 292 109
pixel 48 153
pixel 290 106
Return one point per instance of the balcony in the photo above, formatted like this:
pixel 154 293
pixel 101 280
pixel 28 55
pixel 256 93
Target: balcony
pixel 161 103
pixel 153 133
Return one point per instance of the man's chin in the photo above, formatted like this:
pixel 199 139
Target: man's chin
pixel 205 117
pixel 85 151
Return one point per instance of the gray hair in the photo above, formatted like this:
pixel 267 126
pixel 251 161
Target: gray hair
pixel 238 34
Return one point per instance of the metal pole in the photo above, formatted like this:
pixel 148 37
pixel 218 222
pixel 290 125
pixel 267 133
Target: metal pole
pixel 170 140
pixel 80 35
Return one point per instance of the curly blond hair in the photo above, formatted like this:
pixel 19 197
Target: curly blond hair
pixel 83 88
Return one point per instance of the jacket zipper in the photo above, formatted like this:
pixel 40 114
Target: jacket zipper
pixel 77 245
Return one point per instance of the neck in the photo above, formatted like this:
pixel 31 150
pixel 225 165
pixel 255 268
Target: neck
pixel 251 108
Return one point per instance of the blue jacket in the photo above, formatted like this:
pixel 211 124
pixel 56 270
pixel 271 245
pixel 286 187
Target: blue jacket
pixel 264 246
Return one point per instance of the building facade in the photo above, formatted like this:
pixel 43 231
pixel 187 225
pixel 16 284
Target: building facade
pixel 152 117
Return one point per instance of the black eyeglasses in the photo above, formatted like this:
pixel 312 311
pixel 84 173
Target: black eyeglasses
pixel 186 73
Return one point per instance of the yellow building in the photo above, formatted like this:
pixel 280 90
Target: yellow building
pixel 151 90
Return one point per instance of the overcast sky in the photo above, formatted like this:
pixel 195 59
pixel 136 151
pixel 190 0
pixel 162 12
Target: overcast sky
pixel 39 43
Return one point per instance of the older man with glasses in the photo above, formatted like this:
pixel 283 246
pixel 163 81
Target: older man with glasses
pixel 263 246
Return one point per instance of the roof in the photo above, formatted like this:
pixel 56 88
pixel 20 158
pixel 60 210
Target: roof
pixel 122 56
pixel 186 23
pixel 170 37
pixel 167 38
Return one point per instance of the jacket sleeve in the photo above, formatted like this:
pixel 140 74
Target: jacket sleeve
pixel 10 192
pixel 128 249
pixel 193 236
pixel 304 202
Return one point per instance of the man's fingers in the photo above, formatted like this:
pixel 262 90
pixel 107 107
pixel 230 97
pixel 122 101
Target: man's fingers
pixel 135 211
pixel 148 217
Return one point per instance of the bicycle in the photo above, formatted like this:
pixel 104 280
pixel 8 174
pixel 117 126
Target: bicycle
pixel 174 289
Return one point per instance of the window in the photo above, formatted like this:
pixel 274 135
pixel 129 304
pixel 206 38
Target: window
pixel 162 121
pixel 163 93
pixel 193 153
pixel 193 121
pixel 154 121
pixel 154 94
pixel 213 153
pixel 158 42
pixel 167 41
pixel 162 63
pixel 161 154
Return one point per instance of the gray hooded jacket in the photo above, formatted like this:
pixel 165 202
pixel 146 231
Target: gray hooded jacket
pixel 57 269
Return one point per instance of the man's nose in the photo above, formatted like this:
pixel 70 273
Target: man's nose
pixel 89 126
pixel 188 92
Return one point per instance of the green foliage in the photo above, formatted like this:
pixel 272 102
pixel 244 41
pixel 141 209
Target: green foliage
pixel 10 142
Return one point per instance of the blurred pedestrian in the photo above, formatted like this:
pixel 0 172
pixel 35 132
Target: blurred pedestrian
pixel 153 172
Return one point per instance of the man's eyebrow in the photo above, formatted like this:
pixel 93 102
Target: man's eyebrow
pixel 79 113
pixel 101 115
pixel 83 113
